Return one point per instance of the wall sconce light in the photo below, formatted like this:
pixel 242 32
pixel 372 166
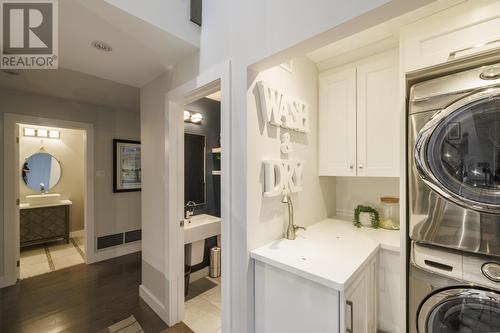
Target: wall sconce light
pixel 192 117
pixel 29 131
pixel 54 134
pixel 41 133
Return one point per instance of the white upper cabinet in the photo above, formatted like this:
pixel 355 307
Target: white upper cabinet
pixel 378 119
pixel 337 122
pixel 359 120
pixel 462 30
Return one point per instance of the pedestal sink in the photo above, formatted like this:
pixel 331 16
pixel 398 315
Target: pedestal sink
pixel 196 230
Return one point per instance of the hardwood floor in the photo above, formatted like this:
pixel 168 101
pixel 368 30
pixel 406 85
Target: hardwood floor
pixel 83 298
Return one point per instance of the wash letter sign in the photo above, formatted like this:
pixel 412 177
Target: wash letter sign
pixel 280 110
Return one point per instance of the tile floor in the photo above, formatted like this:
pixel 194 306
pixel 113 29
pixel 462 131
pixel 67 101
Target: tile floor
pixel 202 314
pixel 52 257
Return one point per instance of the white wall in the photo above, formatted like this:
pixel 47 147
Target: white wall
pixel 267 217
pixel 353 191
pixel 69 151
pixel 172 16
pixel 153 180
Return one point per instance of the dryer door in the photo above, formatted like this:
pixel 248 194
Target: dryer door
pixel 457 153
pixel 460 310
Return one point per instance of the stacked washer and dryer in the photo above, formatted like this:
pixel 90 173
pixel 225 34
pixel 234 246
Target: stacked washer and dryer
pixel 454 202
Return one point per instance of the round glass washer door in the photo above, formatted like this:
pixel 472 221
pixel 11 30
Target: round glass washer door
pixel 457 153
pixel 460 311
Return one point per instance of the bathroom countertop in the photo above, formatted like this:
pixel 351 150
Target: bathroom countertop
pixel 60 203
pixel 329 252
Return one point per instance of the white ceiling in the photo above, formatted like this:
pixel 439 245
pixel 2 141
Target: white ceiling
pixel 74 86
pixel 140 53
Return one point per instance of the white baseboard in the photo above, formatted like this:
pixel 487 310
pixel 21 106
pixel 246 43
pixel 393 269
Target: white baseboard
pixel 114 252
pixel 153 302
pixel 77 233
pixel 199 274
pixel 7 281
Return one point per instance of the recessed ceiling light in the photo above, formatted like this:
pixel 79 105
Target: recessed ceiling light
pixel 102 46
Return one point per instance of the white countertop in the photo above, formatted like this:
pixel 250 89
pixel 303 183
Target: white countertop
pixel 60 203
pixel 329 252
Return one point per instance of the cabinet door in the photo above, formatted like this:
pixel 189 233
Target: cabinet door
pixel 357 307
pixel 453 33
pixel 337 122
pixel 378 117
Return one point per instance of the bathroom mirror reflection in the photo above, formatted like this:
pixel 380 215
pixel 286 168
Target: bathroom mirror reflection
pixel 41 172
pixel 194 168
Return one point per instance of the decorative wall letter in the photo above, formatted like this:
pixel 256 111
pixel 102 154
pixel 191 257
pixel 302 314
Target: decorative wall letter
pixel 286 146
pixel 282 176
pixel 281 110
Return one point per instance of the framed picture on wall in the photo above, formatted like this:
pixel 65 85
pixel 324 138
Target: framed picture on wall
pixel 126 165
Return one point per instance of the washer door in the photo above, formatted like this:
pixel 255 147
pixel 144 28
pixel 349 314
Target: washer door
pixel 457 153
pixel 460 310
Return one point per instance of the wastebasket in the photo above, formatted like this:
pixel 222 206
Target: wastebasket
pixel 215 262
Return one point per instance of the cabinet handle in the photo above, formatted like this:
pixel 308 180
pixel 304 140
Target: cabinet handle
pixel 360 166
pixel 351 166
pixel 350 328
pixel 453 54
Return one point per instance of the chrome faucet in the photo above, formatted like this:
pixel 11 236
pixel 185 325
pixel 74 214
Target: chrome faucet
pixel 290 230
pixel 190 209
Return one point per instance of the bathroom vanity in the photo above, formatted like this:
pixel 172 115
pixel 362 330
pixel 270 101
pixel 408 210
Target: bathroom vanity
pixel 42 223
pixel 326 280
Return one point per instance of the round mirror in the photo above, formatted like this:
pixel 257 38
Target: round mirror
pixel 41 172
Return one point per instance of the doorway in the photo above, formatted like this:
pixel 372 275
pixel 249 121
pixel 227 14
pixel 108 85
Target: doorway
pixel 30 153
pixel 208 83
pixel 51 195
pixel 202 210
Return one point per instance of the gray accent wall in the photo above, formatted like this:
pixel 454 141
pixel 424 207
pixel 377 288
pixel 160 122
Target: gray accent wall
pixel 210 128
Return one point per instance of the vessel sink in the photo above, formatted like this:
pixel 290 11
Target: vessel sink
pixel 43 199
pixel 200 227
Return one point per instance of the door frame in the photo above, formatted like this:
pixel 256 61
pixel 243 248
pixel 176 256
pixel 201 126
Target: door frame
pixel 11 242
pixel 217 77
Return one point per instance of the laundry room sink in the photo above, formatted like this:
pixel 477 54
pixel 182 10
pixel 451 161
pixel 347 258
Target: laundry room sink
pixel 201 227
pixel 43 199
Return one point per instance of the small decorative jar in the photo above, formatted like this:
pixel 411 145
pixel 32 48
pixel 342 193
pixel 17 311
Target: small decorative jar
pixel 390 213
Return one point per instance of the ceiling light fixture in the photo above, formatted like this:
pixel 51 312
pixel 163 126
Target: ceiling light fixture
pixel 102 46
pixel 187 115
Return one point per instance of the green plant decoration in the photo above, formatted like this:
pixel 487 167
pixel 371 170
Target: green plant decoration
pixel 374 216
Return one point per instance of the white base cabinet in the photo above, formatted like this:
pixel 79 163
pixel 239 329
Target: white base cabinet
pixel 289 303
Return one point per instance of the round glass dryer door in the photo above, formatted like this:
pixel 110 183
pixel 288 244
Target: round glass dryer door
pixel 460 311
pixel 458 152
